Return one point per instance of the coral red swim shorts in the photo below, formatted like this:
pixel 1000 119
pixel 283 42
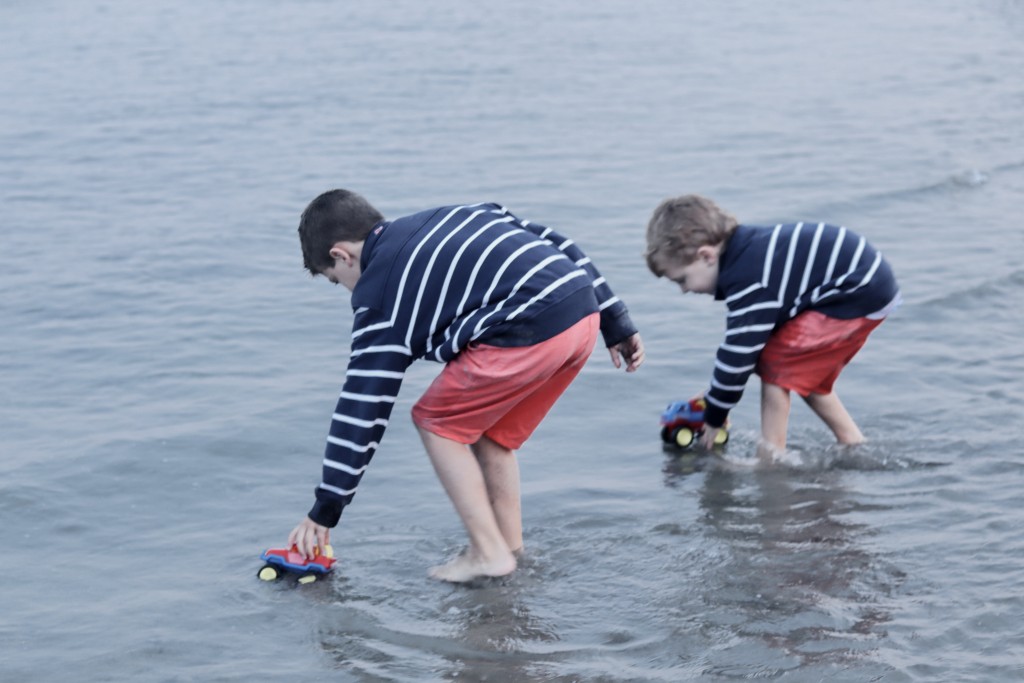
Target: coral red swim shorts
pixel 807 353
pixel 504 392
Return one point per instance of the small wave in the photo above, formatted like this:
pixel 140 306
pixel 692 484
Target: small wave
pixel 997 289
pixel 866 457
pixel 970 178
pixel 744 452
pixel 958 181
pixel 1009 167
pixel 967 178
pixel 869 457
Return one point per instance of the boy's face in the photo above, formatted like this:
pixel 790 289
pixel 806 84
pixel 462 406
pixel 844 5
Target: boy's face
pixel 700 276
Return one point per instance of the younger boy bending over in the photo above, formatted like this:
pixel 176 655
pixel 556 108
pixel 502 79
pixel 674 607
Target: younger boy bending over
pixel 801 298
pixel 512 308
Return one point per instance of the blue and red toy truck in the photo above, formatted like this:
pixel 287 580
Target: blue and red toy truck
pixel 683 421
pixel 281 561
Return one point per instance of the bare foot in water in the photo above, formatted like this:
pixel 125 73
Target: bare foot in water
pixel 469 566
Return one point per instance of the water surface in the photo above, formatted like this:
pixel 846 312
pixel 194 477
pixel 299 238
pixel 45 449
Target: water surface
pixel 168 371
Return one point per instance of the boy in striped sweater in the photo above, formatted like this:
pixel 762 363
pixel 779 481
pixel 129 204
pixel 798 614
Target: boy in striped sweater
pixel 513 310
pixel 802 299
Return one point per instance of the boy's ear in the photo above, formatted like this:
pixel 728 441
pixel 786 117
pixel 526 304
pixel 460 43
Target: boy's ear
pixel 708 253
pixel 343 251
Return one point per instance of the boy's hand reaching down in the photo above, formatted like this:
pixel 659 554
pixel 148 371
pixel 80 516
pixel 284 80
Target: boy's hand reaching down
pixel 707 438
pixel 631 350
pixel 308 536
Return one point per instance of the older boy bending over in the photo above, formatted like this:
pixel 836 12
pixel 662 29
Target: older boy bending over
pixel 513 309
pixel 801 298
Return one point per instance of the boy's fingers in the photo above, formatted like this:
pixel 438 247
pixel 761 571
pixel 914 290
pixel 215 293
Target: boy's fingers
pixel 300 542
pixel 318 542
pixel 308 536
pixel 310 545
pixel 636 352
pixel 630 351
pixel 315 538
pixel 295 539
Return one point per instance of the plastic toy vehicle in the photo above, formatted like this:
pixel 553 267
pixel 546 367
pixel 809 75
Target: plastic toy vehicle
pixel 281 561
pixel 683 421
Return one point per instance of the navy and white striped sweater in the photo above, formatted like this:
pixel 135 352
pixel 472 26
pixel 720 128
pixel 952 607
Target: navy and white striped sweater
pixel 433 282
pixel 770 275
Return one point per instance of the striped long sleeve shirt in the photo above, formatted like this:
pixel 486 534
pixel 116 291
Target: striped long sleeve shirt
pixel 770 275
pixel 431 284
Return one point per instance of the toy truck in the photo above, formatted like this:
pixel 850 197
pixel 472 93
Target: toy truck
pixel 683 421
pixel 282 561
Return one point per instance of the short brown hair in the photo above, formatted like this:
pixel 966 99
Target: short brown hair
pixel 682 225
pixel 334 216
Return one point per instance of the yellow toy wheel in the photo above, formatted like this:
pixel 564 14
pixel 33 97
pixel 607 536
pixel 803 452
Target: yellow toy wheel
pixel 721 437
pixel 308 578
pixel 683 437
pixel 268 573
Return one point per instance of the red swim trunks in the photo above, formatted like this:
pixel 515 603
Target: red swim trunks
pixel 807 353
pixel 504 392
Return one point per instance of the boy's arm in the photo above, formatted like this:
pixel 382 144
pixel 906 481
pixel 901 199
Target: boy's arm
pixel 618 330
pixel 749 324
pixel 375 372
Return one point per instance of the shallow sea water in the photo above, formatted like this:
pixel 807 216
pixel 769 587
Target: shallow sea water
pixel 167 370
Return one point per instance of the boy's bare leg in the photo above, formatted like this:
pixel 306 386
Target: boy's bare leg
pixel 832 412
pixel 462 478
pixel 500 468
pixel 775 405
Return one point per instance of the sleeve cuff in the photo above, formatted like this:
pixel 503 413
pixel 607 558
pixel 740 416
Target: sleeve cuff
pixel 715 416
pixel 326 513
pixel 616 327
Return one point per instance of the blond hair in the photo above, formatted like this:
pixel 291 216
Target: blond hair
pixel 682 225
